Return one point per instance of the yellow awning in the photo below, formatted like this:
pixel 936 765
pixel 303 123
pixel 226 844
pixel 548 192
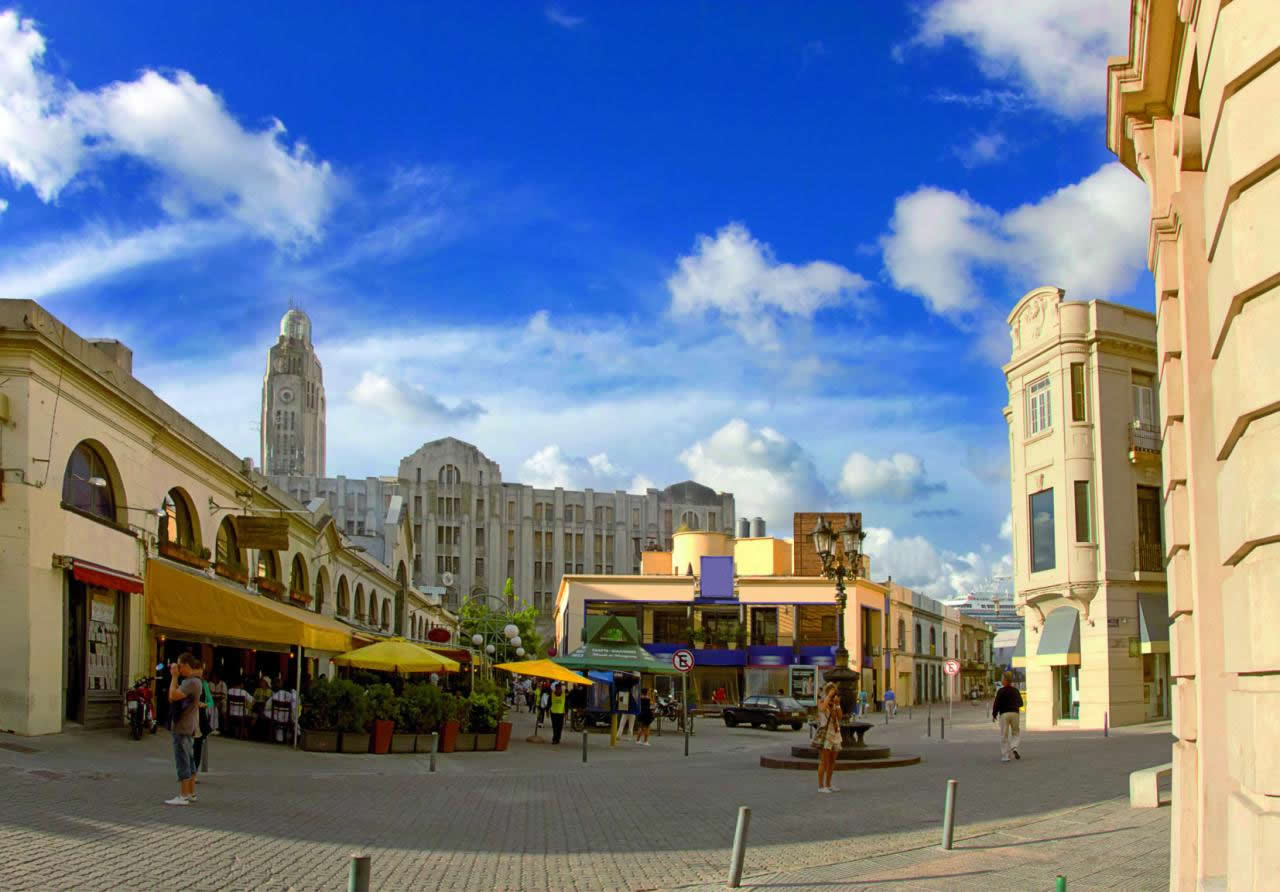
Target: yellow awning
pixel 188 601
pixel 398 655
pixel 544 669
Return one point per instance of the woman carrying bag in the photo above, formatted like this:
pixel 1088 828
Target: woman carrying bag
pixel 828 739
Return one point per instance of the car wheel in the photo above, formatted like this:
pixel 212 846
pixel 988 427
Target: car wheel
pixel 771 724
pixel 730 722
pixel 796 726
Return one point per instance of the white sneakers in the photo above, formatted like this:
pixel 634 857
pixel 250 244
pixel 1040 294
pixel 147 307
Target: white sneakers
pixel 177 800
pixel 1004 758
pixel 820 790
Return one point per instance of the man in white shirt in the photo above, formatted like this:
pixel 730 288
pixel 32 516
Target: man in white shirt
pixel 282 699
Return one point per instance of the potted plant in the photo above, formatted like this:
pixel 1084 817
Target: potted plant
pixel 235 574
pixel 485 710
pixel 423 710
pixel 740 636
pixel 384 709
pixel 450 722
pixel 269 585
pixel 698 636
pixel 299 597
pixel 465 742
pixel 351 714
pixel 319 729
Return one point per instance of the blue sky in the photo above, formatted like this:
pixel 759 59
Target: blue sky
pixel 768 246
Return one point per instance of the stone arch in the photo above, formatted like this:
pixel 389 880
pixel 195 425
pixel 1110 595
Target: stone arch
pixel 298 581
pixel 180 524
pixel 386 613
pixel 227 550
pixel 322 589
pixel 90 460
pixel 269 564
pixel 344 597
pixel 359 600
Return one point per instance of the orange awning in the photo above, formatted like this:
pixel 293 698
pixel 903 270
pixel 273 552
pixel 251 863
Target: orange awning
pixel 185 600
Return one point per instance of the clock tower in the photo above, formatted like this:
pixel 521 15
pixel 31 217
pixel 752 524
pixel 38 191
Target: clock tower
pixel 293 407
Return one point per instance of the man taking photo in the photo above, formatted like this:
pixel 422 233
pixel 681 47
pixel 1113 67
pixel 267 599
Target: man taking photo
pixel 185 690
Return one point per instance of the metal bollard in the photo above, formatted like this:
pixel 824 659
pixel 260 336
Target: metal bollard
pixel 949 814
pixel 584 745
pixel 1106 716
pixel 1062 883
pixel 358 875
pixel 943 722
pixel 739 847
pixel 435 743
pixel 928 728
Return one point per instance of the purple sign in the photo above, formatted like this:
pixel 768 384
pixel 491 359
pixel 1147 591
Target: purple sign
pixel 717 578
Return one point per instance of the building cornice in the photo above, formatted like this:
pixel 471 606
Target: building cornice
pixel 1140 86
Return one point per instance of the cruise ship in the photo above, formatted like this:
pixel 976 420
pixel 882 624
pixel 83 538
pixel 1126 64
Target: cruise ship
pixel 991 602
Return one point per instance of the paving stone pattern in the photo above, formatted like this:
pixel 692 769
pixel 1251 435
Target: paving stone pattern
pixel 85 812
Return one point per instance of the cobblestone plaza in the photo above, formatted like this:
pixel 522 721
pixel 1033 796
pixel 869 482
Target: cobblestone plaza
pixel 84 811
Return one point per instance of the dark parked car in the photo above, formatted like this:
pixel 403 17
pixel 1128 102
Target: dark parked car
pixel 768 711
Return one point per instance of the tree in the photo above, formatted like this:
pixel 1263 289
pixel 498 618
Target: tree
pixel 477 616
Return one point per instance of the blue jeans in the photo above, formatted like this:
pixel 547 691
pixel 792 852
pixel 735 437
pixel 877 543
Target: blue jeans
pixel 182 755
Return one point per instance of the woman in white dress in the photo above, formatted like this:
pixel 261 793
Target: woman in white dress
pixel 828 740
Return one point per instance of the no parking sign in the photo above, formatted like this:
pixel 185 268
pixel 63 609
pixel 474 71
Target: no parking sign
pixel 682 660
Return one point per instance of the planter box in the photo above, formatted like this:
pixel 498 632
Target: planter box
pixel 320 741
pixel 424 743
pixel 235 575
pixel 465 743
pixel 269 586
pixel 383 729
pixel 504 736
pixel 175 552
pixel 355 742
pixel 298 597
pixel 404 743
pixel 449 736
pixel 486 742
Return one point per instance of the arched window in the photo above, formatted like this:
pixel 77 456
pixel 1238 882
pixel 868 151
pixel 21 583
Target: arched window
pixel 321 589
pixel 228 546
pixel 359 600
pixel 933 641
pixel 372 615
pixel 298 575
pixel 689 520
pixel 902 634
pixel 919 640
pixel 449 474
pixel 176 526
pixel 87 483
pixel 344 597
pixel 386 613
pixel 268 565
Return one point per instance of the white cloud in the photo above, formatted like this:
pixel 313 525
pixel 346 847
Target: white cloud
pixel 549 467
pixel 915 562
pixel 4 205
pixel 985 148
pixel 1006 528
pixel 1089 237
pixel 1057 48
pixel 899 478
pixel 51 132
pixel 408 401
pixel 557 16
pixel 770 475
pixel 737 276
pixel 94 254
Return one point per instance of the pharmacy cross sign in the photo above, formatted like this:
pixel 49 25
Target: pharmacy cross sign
pixel 682 660
pixel 951 667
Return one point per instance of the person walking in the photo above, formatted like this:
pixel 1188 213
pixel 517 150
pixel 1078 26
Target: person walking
pixel 1005 711
pixel 528 696
pixel 544 703
pixel 557 712
pixel 185 690
pixel 891 702
pixel 828 739
pixel 645 718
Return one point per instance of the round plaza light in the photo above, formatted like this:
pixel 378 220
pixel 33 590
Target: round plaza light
pixel 477 639
pixel 489 649
pixel 516 642
pixel 519 651
pixel 511 630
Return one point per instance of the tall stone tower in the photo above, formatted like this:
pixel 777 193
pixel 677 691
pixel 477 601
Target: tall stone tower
pixel 293 407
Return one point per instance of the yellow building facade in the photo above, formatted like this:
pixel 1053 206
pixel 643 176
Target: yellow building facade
pixel 1192 110
pixel 116 544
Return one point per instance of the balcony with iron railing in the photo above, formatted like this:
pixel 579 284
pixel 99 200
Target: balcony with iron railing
pixel 1148 557
pixel 1144 442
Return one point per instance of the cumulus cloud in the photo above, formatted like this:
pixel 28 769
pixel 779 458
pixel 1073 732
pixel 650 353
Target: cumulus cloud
pixel 1058 49
pixel 770 475
pixel 549 467
pixel 1006 528
pixel 1090 237
pixel 915 562
pixel 936 512
pixel 557 16
pixel 899 478
pixel 985 148
pixel 733 274
pixel 407 401
pixel 52 132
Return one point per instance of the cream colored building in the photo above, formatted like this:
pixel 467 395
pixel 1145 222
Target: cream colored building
pixel 923 634
pixel 1192 110
pixel 745 639
pixel 1085 475
pixel 293 402
pixel 117 546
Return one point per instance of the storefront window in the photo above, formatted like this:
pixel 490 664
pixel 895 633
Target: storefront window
pixel 1067 691
pixel 104 641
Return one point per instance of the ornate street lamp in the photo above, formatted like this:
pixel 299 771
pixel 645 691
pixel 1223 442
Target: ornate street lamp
pixel 839 566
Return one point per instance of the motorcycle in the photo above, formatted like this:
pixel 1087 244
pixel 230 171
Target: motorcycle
pixel 139 704
pixel 669 708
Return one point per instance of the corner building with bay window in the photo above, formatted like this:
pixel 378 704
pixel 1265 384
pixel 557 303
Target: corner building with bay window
pixel 1084 448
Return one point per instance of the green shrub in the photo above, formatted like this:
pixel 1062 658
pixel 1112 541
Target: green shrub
pixel 350 706
pixel 316 713
pixel 489 687
pixel 422 708
pixel 484 713
pixel 383 703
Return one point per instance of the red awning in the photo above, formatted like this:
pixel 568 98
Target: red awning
pixel 96 574
pixel 461 656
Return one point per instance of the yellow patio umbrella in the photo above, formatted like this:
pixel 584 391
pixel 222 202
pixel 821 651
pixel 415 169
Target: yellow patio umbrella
pixel 397 655
pixel 544 669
